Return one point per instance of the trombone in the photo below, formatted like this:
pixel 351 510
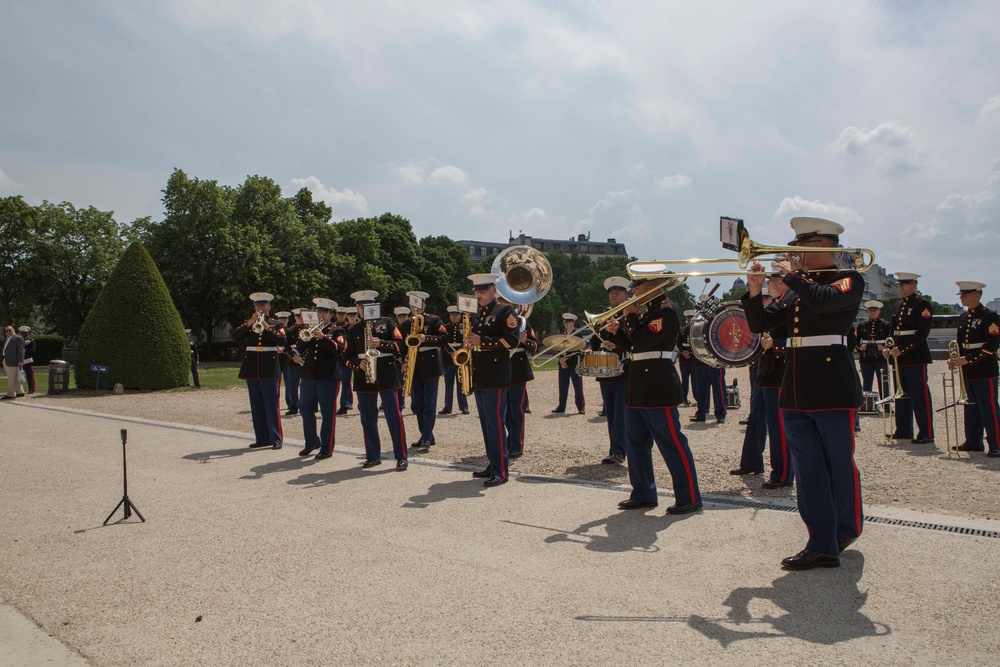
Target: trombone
pixel 948 383
pixel 900 394
pixel 749 251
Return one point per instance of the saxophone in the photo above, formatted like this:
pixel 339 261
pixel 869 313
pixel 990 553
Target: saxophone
pixel 371 355
pixel 412 348
pixel 463 356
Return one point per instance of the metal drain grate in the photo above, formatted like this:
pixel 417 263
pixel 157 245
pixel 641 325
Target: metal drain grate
pixel 923 525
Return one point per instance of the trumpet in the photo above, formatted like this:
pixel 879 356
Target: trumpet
pixel 260 324
pixel 307 335
pixel 412 349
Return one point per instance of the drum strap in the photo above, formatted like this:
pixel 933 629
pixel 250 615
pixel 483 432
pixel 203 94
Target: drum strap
pixel 816 341
pixel 642 356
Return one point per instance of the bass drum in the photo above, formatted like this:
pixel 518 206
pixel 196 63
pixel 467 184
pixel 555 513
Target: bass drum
pixel 722 337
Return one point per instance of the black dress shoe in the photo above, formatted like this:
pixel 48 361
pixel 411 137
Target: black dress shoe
pixel 527 411
pixel 401 464
pixel 321 456
pixel 994 453
pixel 807 560
pixel 419 444
pixel 260 444
pixel 922 441
pixel 613 460
pixel 743 470
pixel 495 481
pixel 743 422
pixel 6 398
pixel 307 451
pixel 896 436
pixel 583 412
pixel 371 463
pixel 601 414
pixel 19 395
pixel 291 412
pixel 775 484
pixel 276 445
pixel 684 509
pixel 845 542
pixel 465 412
pixel 697 419
pixel 444 412
pixel 342 411
pixel 633 504
pixel 720 420
pixel 481 474
pixel 966 447
pixel 558 411
pixel 515 455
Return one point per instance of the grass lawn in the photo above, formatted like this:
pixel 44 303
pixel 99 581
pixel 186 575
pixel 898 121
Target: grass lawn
pixel 214 375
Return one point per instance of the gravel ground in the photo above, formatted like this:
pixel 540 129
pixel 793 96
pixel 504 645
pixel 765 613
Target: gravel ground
pixel 897 473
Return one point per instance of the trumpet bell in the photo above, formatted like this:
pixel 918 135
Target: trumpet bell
pixel 525 274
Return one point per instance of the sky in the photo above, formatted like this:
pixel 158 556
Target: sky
pixel 641 121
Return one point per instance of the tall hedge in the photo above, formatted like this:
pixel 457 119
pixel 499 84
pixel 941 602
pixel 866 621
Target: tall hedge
pixel 134 329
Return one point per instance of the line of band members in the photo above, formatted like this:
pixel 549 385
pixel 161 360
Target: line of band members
pixel 330 365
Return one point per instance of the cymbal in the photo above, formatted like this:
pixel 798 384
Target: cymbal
pixel 563 343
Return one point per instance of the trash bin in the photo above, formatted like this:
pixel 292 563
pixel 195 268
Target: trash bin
pixel 58 376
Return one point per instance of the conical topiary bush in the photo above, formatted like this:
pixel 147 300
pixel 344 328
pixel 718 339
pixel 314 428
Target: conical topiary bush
pixel 134 329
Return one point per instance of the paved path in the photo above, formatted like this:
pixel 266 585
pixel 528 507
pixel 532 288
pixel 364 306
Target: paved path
pixel 297 562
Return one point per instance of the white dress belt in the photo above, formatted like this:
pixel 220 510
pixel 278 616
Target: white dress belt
pixel 380 355
pixel 642 356
pixel 816 341
pixel 427 348
pixel 908 332
pixel 967 346
pixel 30 360
pixel 257 348
pixel 515 350
pixel 876 342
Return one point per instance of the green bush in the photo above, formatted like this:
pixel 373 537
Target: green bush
pixel 134 329
pixel 48 348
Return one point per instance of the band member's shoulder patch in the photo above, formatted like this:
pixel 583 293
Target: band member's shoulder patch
pixel 512 321
pixel 994 330
pixel 396 334
pixel 926 314
pixel 844 284
pixel 441 329
pixel 656 326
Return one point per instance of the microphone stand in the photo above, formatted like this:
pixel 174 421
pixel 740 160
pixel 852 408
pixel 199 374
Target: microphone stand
pixel 129 506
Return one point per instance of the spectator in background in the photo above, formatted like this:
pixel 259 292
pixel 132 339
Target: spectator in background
pixel 29 358
pixel 13 360
pixel 194 357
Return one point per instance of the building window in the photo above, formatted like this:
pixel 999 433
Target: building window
pixel 598 248
pixel 482 251
pixel 585 248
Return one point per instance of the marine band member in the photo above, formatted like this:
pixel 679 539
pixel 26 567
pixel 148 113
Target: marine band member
pixel 346 392
pixel 911 323
pixel 321 381
pixel 494 335
pixel 453 340
pixel 820 391
pixel 291 370
pixel 612 338
pixel 654 390
pixel 261 371
pixel 388 342
pixel 429 368
pixel 871 335
pixel 568 374
pixel 520 375
pixel 978 340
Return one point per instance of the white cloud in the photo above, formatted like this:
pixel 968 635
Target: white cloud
pixel 449 175
pixel 791 207
pixel 892 145
pixel 345 203
pixel 618 214
pixel 411 173
pixel 675 182
pixel 637 169
pixel 990 110
pixel 962 224
pixel 478 202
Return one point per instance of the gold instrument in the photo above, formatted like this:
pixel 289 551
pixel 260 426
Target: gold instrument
pixel 889 409
pixel 900 394
pixel 749 251
pixel 412 349
pixel 371 355
pixel 463 356
pixel 525 278
pixel 948 383
pixel 307 335
pixel 260 324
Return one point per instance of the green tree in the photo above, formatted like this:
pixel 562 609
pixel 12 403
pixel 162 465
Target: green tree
pixel 444 271
pixel 134 329
pixel 19 238
pixel 196 248
pixel 78 250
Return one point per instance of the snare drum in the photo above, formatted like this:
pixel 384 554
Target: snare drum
pixel 869 407
pixel 599 364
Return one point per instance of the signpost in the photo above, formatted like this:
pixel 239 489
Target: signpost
pixel 98 369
